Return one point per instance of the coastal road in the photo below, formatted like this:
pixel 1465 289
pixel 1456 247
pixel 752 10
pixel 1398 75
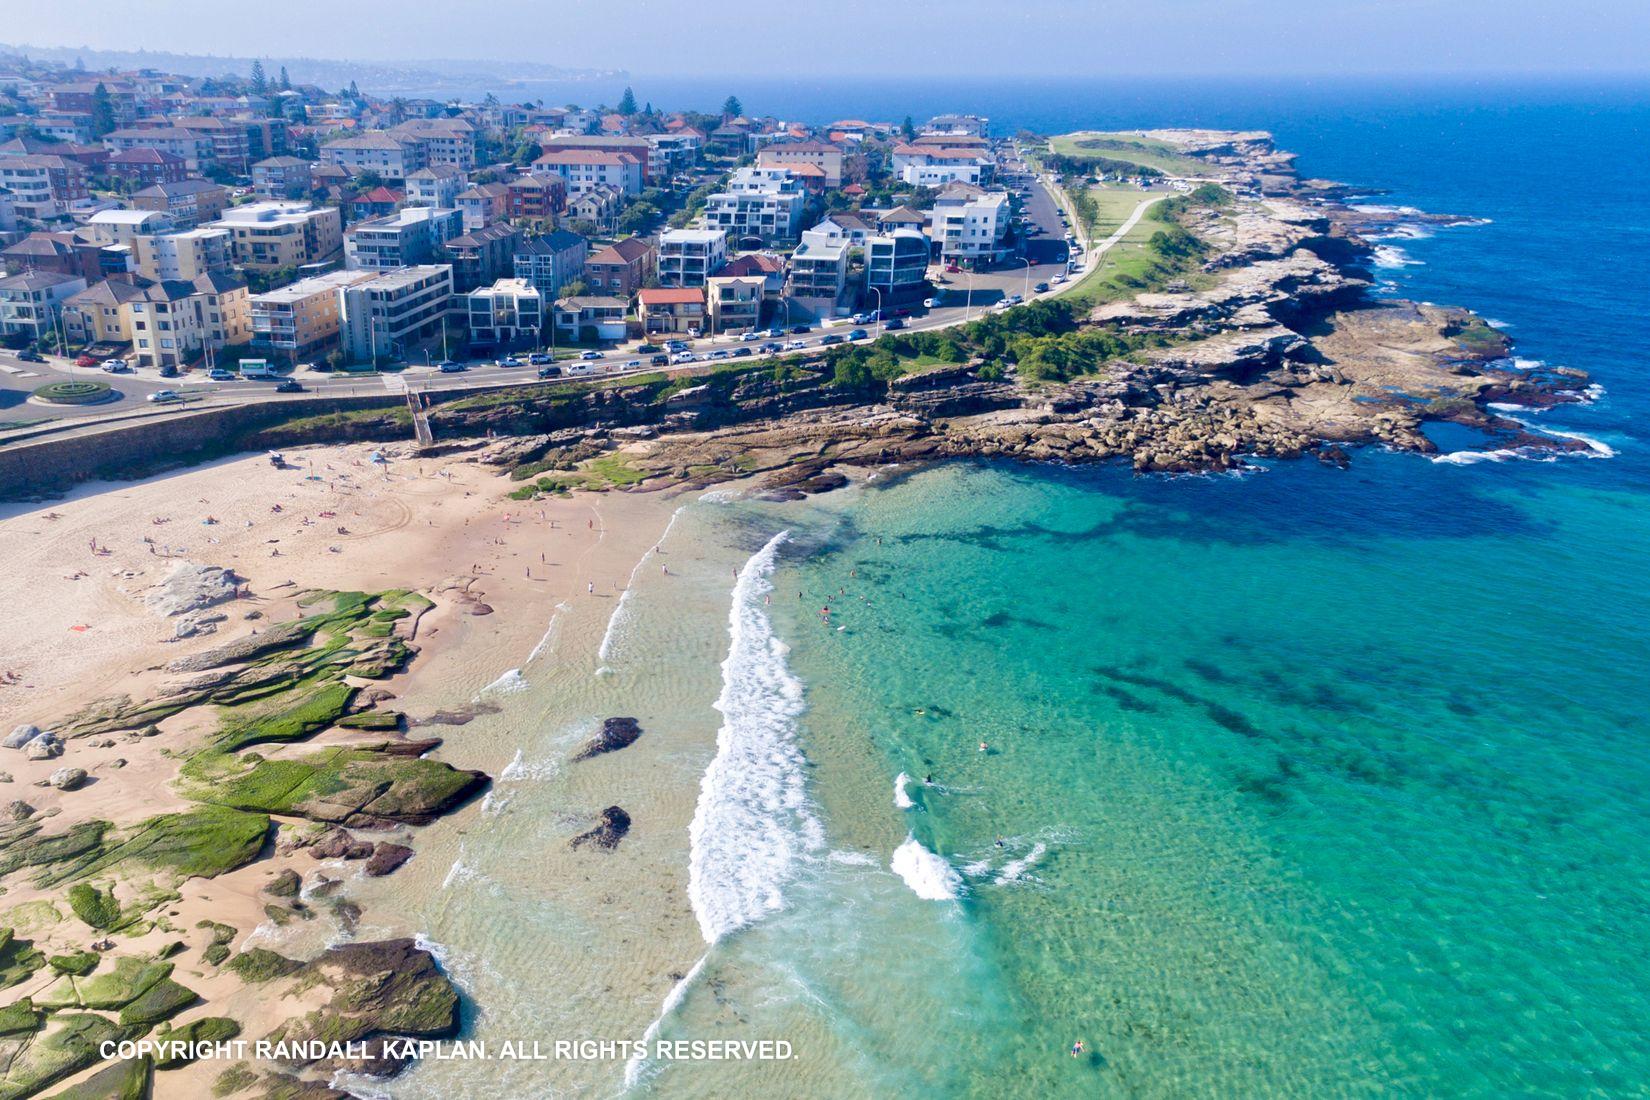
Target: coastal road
pixel 959 298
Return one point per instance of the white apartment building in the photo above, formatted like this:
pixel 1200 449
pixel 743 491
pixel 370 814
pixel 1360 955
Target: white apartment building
pixel 765 203
pixel 121 227
pixel 407 237
pixel 437 185
pixel 31 303
pixel 393 158
pixel 508 311
pixel 381 317
pixel 969 225
pixel 584 169
pixel 183 255
pixel 938 165
pixel 687 257
pixel 819 266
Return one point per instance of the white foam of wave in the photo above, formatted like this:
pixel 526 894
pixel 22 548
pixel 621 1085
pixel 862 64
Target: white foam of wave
pixel 1389 256
pixel 978 869
pixel 610 636
pixel 1473 458
pixel 902 800
pixel 753 823
pixel 1496 324
pixel 928 875
pixel 518 769
pixel 549 631
pixel 1015 869
pixel 507 684
pixel 1596 448
pixel 851 859
pixel 637 1063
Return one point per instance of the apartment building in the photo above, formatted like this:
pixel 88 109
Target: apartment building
pixel 509 311
pixel 43 187
pixel 819 267
pixel 599 206
pixel 184 254
pixel 829 159
pixel 281 177
pixel 896 265
pixel 938 165
pixel 139 168
pixel 671 310
pixel 93 316
pixel 30 304
pixel 482 256
pixel 301 318
pixel 552 260
pixel 761 203
pixel 122 227
pixel 638 147
pixel 620 269
pixel 268 235
pixel 63 253
pixel 382 317
pixel 733 302
pixel 583 169
pixel 391 157
pixel 969 225
pixel 174 322
pixel 403 239
pixel 540 196
pixel 189 202
pixel 958 125
pixel 687 257
pixel 447 141
pixel 438 185
pixel 483 204
pixel 193 148
pixel 591 316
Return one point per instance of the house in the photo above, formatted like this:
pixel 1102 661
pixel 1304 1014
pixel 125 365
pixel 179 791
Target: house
pixel 62 253
pixel 509 311
pixel 582 169
pixel 816 154
pixel 268 235
pixel 767 266
pixel 482 256
pixel 94 315
pixel 937 165
pixel 438 185
pixel 301 318
pixel 969 225
pixel 281 177
pixel 551 261
pixel 190 202
pixel 599 206
pixel 374 203
pixel 184 255
pixel 43 187
pixel 483 204
pixel 138 168
pixel 687 257
pixel 958 125
pixel 673 310
pixel 819 269
pixel 901 217
pixel 381 317
pixel 852 228
pixel 91 158
pixel 193 148
pixel 591 317
pixel 535 196
pixel 403 239
pixel 764 204
pixel 390 157
pixel 620 269
pixel 734 302
pixel 30 304
pixel 896 265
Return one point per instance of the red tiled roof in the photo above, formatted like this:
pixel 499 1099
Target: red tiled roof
pixel 671 296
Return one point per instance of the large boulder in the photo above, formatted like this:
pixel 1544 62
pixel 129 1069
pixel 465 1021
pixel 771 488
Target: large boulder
pixel 67 779
pixel 190 587
pixel 20 736
pixel 617 733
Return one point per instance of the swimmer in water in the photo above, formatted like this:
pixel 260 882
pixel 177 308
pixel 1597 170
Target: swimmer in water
pixel 984 747
pixel 1077 1049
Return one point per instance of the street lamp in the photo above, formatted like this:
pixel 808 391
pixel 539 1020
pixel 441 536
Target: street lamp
pixel 878 292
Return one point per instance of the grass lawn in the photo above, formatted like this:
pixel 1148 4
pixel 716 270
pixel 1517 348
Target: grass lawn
pixel 1129 258
pixel 1149 152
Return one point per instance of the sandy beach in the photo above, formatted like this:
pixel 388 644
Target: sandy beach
pixel 79 630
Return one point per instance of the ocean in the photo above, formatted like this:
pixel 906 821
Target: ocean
pixel 1302 782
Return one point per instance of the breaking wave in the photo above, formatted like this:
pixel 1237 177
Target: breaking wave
pixel 929 876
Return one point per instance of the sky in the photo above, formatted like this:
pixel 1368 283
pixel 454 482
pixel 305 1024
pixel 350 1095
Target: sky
pixel 848 38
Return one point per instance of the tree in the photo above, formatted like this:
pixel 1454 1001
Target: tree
pixel 638 217
pixel 575 288
pixel 103 111
pixel 627 104
pixel 908 129
pixel 260 82
pixel 732 108
pixel 286 81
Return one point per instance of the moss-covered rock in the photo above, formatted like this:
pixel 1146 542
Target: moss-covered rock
pixel 344 784
pixel 207 1029
pixel 203 842
pixel 285 885
pixel 237 1078
pixel 18 959
pixel 371 720
pixel 125 981
pixel 258 964
pixel 20 1017
pixel 131 1079
pixel 78 963
pixel 66 1045
pixel 164 999
pixel 98 908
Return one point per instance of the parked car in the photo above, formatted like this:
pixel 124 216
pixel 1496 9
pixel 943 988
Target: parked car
pixel 507 361
pixel 539 358
pixel 1041 288
pixel 549 372
pixel 590 355
pixel 833 338
pixel 775 333
pixel 719 353
pixel 84 361
pixel 660 360
pixel 750 336
pixel 862 318
pixel 767 349
pixel 894 325
pixel 217 374
pixel 1058 279
pixel 289 385
pixel 801 330
pixel 930 303
pixel 648 349
pixel 858 334
pixel 451 366
pixel 739 353
pixel 160 397
pixel 676 345
pixel 320 366
pixel 168 371
pixel 117 366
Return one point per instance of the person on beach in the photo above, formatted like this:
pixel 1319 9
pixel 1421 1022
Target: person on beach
pixel 590 588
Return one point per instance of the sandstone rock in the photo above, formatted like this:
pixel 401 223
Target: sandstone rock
pixel 285 885
pixel 615 823
pixel 616 733
pixel 20 736
pixel 340 844
pixel 18 810
pixel 44 748
pixel 386 857
pixel 190 587
pixel 67 779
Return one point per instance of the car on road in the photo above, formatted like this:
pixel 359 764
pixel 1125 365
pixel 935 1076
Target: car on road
pixel 894 325
pixel 507 361
pixel 719 353
pixel 289 385
pixel 117 366
pixel 683 357
pixel 775 333
pixel 833 338
pixel 1014 299
pixel 216 374
pixel 676 345
pixel 550 372
pixel 450 366
pixel 796 345
pixel 29 355
pixel 739 353
pixel 161 397
pixel 1041 288
pixel 801 330
pixel 660 360
pixel 634 364
pixel 1058 279
pixel 168 371
pixel 767 349
pixel 86 361
pixel 930 303
pixel 858 334
pixel 647 349
pixel 863 318
pixel 539 358
pixel 590 355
